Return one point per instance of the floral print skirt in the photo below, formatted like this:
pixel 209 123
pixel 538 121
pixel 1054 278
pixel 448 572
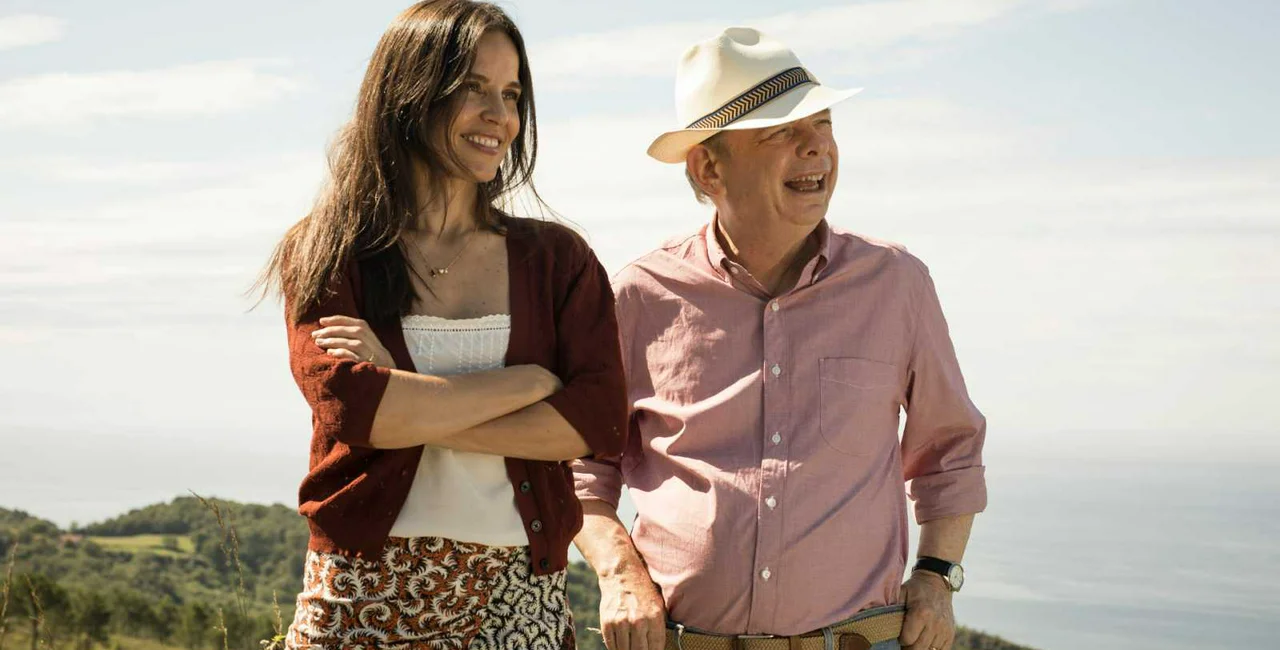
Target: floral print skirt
pixel 430 593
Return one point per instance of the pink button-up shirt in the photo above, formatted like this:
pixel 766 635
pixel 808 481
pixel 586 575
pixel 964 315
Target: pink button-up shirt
pixel 764 459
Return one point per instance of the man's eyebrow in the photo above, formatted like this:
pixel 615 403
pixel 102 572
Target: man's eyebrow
pixel 768 131
pixel 477 75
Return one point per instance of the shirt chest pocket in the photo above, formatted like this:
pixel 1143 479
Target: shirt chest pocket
pixel 859 405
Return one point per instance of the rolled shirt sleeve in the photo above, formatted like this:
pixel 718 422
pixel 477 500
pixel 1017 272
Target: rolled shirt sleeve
pixel 600 480
pixel 594 399
pixel 344 395
pixel 944 434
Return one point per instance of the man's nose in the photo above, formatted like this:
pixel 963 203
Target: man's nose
pixel 814 144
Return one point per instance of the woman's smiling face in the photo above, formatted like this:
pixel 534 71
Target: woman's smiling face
pixel 488 118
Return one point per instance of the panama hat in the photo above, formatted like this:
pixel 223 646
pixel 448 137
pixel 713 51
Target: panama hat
pixel 740 79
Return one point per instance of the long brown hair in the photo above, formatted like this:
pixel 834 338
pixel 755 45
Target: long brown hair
pixel 408 99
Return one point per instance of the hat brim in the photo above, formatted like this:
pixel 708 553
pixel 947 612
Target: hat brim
pixel 799 102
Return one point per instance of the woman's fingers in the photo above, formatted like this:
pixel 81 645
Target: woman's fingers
pixel 342 320
pixel 355 345
pixel 343 353
pixel 360 351
pixel 343 331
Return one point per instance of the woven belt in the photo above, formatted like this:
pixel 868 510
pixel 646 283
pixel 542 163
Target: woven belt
pixel 858 633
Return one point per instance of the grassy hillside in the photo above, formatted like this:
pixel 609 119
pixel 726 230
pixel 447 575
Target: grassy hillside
pixel 170 545
pixel 177 574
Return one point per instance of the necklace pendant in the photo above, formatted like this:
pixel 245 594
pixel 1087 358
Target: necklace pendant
pixel 435 272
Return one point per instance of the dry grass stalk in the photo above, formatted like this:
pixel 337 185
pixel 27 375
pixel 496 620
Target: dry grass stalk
pixel 232 551
pixel 39 614
pixel 275 603
pixel 222 627
pixel 4 604
pixel 276 642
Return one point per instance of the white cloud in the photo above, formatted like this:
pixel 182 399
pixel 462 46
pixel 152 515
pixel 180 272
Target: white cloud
pixel 196 89
pixel 225 225
pixel 24 30
pixel 869 32
pixel 120 171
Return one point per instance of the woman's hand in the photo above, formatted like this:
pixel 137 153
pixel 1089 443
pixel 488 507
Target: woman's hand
pixel 351 338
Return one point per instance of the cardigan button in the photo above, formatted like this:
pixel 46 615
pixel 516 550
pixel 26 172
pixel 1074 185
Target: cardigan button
pixel 536 525
pixel 544 563
pixel 525 486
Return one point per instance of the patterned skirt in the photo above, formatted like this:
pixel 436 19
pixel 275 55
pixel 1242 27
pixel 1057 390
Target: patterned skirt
pixel 430 593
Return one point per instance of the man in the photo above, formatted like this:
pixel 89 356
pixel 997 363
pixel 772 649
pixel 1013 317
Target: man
pixel 768 358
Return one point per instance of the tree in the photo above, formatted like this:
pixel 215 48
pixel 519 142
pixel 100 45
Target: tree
pixel 44 602
pixel 194 626
pixel 90 616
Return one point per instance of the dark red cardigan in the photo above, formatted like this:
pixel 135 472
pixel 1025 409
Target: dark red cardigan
pixel 562 318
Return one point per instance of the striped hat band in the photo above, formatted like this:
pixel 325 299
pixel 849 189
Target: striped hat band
pixel 759 95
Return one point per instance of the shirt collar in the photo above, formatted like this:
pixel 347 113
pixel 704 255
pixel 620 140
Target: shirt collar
pixel 723 266
pixel 715 252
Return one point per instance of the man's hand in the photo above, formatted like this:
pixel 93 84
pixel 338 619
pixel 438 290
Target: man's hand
pixel 632 615
pixel 931 622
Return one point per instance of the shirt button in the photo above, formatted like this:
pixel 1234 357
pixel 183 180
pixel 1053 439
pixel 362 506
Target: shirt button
pixel 777 437
pixel 733 270
pixel 544 564
pixel 766 574
pixel 771 502
pixel 536 525
pixel 776 370
pixel 525 486
pixel 774 306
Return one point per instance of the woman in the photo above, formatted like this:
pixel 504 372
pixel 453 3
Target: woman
pixel 453 356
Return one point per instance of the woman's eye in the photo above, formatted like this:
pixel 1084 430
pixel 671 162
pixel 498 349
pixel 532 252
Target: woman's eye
pixel 473 86
pixel 511 95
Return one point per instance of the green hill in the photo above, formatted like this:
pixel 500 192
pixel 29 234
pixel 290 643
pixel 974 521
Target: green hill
pixel 177 574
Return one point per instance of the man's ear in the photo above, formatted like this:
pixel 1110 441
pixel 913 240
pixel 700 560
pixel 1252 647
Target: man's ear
pixel 701 166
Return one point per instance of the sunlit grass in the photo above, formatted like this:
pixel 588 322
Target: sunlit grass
pixel 158 544
pixel 19 638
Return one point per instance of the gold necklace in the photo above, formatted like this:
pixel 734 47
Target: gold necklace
pixel 444 270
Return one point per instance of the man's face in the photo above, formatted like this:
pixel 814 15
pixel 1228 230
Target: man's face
pixel 786 172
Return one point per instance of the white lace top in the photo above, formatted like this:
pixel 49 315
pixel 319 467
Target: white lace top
pixel 460 495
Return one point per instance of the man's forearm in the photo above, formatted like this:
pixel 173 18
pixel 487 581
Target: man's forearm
pixel 604 542
pixel 632 611
pixel 945 538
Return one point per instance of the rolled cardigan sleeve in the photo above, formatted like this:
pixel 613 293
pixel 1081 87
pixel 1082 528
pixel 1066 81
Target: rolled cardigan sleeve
pixel 344 395
pixel 593 399
pixel 944 434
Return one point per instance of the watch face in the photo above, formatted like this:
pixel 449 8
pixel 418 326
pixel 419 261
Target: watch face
pixel 956 577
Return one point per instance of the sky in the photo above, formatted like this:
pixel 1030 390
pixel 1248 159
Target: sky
pixel 1093 184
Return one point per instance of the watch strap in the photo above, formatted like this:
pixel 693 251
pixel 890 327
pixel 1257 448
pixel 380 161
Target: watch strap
pixel 933 565
pixel 952 574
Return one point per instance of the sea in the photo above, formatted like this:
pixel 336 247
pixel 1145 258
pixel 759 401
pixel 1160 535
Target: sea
pixel 1071 554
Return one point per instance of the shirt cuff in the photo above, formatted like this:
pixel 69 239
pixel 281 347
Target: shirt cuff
pixel 596 480
pixel 949 494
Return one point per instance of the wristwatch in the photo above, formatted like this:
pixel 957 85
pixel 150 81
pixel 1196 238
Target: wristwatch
pixel 952 573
